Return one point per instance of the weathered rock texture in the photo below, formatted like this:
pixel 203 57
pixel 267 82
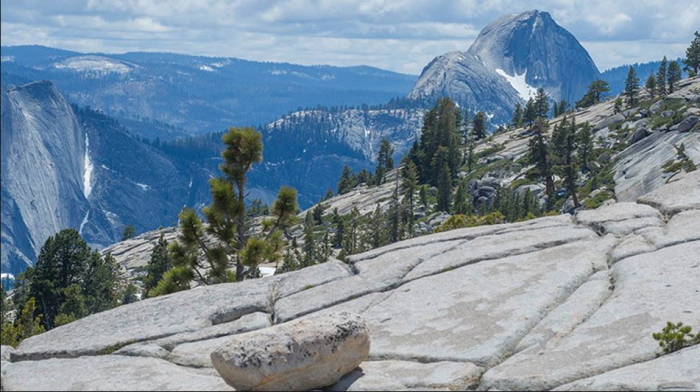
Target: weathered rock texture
pixel 508 61
pixel 556 302
pixel 310 353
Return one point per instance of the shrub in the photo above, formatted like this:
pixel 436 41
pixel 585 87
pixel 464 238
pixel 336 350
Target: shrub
pixel 674 337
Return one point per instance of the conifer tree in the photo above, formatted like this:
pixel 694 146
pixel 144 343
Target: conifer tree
pixel 384 160
pixel 423 195
pixel 409 181
pixel 461 204
pixel 309 248
pixel 479 131
pixel 157 266
pixel 226 223
pixel 471 156
pixel 339 237
pixel 517 120
pixel 530 113
pixel 570 174
pixel 444 189
pixel 674 75
pixel 347 180
pixel 329 194
pixel 539 155
pixel 394 215
pixel 325 250
pixel 692 56
pixel 631 86
pixel 661 77
pixel 128 232
pixel 585 145
pixel 651 85
pixel 595 93
pixel 363 178
pixel 541 103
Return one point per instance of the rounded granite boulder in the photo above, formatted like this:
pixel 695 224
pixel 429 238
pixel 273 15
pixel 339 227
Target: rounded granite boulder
pixel 312 352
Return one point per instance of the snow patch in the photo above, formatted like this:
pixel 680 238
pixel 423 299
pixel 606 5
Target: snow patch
pixel 82 224
pixel 518 83
pixel 6 59
pixel 190 186
pixel 267 271
pixel 206 68
pixel 9 276
pixel 94 64
pixel 87 174
pixel 143 186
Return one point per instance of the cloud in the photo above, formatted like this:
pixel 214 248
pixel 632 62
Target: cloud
pixel 401 35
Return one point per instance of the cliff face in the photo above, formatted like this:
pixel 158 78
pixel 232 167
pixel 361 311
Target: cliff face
pixel 67 169
pixel 43 170
pixel 508 61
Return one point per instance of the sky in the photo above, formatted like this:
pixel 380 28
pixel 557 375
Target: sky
pixel 398 35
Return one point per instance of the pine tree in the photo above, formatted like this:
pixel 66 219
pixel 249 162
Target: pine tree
pixel 530 113
pixel 661 77
pixel 692 56
pixel 409 181
pixel 62 262
pixel 541 103
pixel 585 145
pixel 309 248
pixel 157 266
pixel 128 232
pixel 517 116
pixel 394 215
pixel 479 126
pixel 631 86
pixel 461 203
pixel 539 155
pixel 674 75
pixel 384 160
pixel 471 156
pixel 339 237
pixel 595 93
pixel 423 195
pixel 347 181
pixel 227 223
pixel 329 194
pixel 444 189
pixel 285 208
pixel 651 85
pixel 570 174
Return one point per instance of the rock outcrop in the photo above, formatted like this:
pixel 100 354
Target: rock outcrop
pixel 556 302
pixel 66 167
pixel 309 353
pixel 507 62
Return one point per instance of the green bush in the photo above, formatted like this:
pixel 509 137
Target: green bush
pixel 598 199
pixel 674 337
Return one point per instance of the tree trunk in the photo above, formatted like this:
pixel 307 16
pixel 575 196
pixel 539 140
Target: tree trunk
pixel 240 231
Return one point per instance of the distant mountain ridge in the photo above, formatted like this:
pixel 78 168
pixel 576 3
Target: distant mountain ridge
pixel 196 94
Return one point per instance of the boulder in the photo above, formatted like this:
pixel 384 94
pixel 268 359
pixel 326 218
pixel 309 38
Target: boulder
pixel 312 352
pixel 656 106
pixel 688 123
pixel 638 135
pixel 667 113
pixel 607 122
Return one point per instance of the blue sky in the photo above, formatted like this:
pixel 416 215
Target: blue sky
pixel 400 35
